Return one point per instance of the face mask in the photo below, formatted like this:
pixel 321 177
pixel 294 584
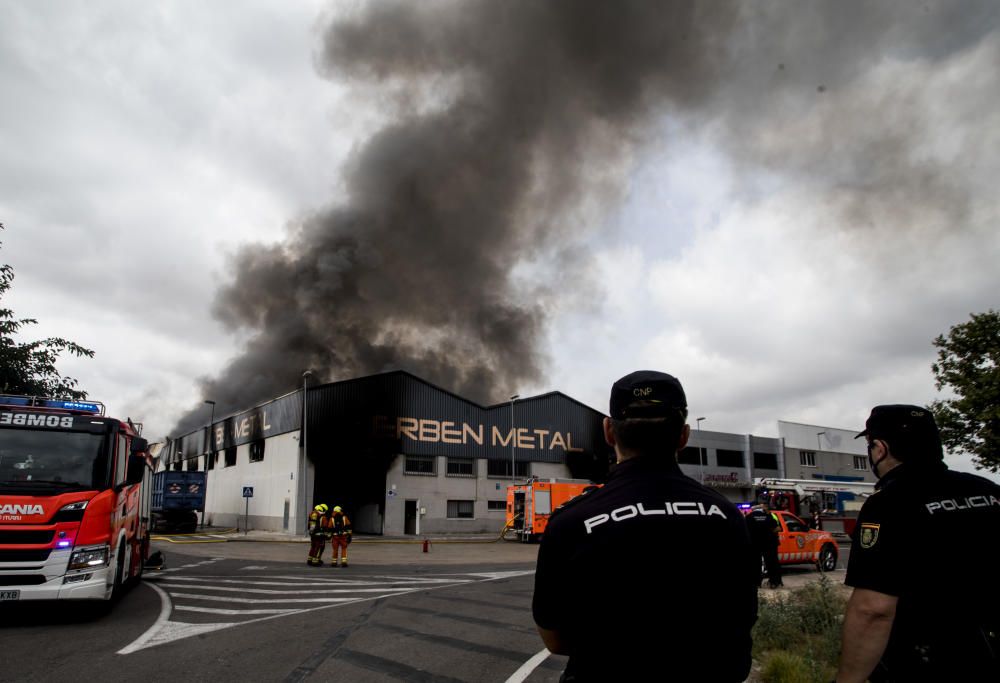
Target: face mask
pixel 873 463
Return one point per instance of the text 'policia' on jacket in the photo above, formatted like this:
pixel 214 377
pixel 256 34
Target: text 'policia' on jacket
pixel 650 525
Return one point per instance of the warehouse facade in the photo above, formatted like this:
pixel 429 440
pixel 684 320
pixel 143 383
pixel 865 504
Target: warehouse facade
pixel 403 456
pixel 400 455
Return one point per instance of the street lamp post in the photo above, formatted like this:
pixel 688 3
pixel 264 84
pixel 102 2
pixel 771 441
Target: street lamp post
pixel 512 437
pixel 701 454
pixel 209 453
pixel 303 505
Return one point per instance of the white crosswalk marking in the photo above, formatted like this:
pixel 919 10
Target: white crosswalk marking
pixel 206 603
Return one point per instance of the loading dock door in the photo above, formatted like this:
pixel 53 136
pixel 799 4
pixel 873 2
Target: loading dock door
pixel 410 518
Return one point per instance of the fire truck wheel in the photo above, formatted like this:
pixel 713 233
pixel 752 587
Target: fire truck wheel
pixel 119 586
pixel 138 562
pixel 827 559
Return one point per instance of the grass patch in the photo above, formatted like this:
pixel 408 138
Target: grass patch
pixel 797 635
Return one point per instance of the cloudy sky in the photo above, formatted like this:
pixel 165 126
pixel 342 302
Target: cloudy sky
pixel 783 207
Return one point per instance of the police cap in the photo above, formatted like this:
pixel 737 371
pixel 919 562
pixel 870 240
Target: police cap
pixel 911 429
pixel 647 394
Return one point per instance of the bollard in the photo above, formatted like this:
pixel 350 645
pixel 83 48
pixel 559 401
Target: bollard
pixel 426 545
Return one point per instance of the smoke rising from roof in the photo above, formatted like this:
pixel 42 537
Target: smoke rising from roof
pixel 533 110
pixel 509 120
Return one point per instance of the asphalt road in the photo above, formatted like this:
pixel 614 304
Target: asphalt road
pixel 255 612
pixel 225 619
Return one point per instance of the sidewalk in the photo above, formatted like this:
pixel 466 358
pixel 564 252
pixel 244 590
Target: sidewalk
pixel 273 546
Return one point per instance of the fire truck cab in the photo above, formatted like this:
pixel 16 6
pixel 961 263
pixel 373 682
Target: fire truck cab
pixel 74 500
pixel 530 504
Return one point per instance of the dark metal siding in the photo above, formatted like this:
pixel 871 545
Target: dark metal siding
pixel 374 406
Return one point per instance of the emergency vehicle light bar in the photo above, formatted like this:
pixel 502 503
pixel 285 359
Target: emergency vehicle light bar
pixel 94 407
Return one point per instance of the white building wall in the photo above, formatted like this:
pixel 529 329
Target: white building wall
pixel 273 480
pixel 434 491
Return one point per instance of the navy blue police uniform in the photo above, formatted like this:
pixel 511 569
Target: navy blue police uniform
pixel 651 577
pixel 927 536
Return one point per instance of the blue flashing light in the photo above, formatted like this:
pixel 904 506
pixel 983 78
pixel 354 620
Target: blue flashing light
pixel 72 405
pixel 61 404
pixel 744 506
pixel 64 544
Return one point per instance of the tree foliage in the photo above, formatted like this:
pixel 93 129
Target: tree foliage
pixel 969 364
pixel 29 367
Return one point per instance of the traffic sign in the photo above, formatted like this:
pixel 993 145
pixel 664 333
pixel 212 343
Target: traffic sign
pixel 248 491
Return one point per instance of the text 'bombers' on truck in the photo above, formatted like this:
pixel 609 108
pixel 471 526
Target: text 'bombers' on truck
pixel 74 500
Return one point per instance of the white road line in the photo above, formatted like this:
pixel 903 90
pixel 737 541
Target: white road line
pixel 332 582
pixel 529 666
pixel 258 601
pixel 219 610
pixel 268 591
pixel 170 631
pixel 141 641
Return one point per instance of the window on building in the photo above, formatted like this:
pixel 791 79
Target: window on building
pixel 861 463
pixel 461 467
pixel 419 464
pixel 689 456
pixel 501 468
pixel 178 466
pixel 231 456
pixel 727 458
pixel 765 461
pixel 496 505
pixel 210 460
pixel 460 509
pixel 192 465
pixel 807 458
pixel 257 450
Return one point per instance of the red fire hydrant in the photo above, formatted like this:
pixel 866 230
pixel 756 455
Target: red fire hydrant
pixel 427 545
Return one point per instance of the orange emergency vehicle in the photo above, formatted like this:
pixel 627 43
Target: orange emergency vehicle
pixel 530 504
pixel 799 544
pixel 75 491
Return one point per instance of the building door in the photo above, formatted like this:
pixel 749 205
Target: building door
pixel 410 517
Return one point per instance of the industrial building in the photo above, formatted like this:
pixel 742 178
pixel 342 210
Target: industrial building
pixel 403 456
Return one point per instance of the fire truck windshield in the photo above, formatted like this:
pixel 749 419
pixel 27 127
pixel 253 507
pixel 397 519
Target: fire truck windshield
pixel 41 459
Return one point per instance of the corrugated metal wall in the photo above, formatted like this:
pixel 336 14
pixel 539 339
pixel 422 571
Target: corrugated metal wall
pixel 400 413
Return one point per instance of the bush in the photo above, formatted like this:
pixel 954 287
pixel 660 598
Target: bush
pixel 784 667
pixel 797 636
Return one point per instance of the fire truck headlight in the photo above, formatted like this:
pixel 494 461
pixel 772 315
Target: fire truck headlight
pixel 88 557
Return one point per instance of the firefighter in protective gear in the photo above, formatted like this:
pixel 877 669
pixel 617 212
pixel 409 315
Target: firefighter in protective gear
pixel 318 523
pixel 340 536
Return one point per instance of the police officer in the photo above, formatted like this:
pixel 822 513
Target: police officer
pixel 764 534
pixel 926 600
pixel 318 521
pixel 651 577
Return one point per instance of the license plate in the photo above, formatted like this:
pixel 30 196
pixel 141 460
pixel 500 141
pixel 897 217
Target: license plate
pixel 10 595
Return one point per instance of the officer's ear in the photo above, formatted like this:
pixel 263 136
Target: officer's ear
pixel 609 432
pixel 685 435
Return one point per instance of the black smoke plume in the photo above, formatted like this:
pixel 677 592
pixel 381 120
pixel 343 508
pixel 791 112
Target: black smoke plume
pixel 511 117
pixel 511 124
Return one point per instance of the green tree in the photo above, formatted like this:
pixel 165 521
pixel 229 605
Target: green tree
pixel 29 367
pixel 969 364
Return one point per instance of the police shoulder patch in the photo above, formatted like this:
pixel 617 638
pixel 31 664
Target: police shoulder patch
pixel 869 535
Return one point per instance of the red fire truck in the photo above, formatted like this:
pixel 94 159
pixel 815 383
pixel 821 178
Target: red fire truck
pixel 74 500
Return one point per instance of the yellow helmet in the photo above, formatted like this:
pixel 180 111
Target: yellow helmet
pixel 322 507
pixel 336 508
